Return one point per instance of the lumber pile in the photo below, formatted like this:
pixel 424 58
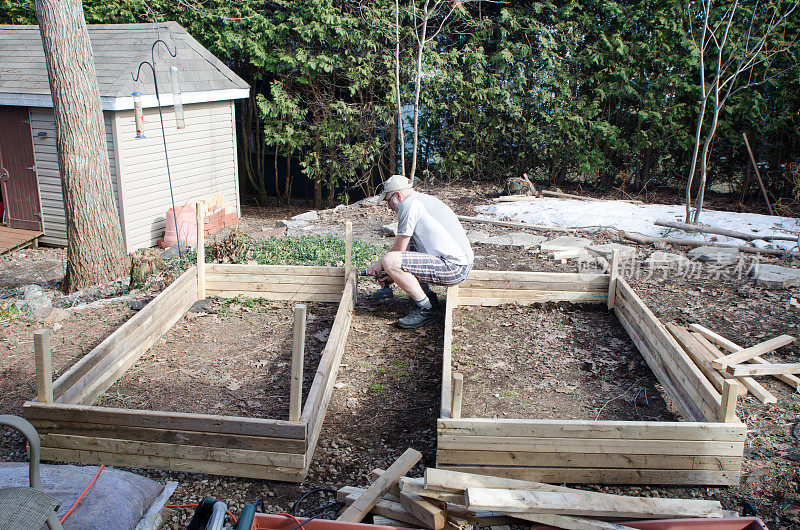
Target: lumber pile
pixel 724 362
pixel 454 500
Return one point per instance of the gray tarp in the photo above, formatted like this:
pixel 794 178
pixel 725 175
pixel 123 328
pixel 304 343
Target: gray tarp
pixel 117 500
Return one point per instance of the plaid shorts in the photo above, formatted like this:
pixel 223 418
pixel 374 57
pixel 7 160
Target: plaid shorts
pixel 430 269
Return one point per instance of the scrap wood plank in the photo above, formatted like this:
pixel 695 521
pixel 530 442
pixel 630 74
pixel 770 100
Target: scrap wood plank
pixel 753 386
pixel 700 355
pixel 455 481
pixel 431 515
pixel 361 507
pixel 738 370
pixel 385 506
pixel 716 338
pixel 589 503
pixel 753 351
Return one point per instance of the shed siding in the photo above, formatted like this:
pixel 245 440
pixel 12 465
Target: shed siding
pixel 54 222
pixel 202 160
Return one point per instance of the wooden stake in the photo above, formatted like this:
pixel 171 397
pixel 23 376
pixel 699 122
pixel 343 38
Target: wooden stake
pixel 201 251
pixel 612 282
pixel 44 365
pixel 348 248
pixel 730 393
pixel 458 390
pixel 298 349
pixel 738 370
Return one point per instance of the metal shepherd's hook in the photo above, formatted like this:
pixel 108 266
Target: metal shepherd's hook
pixel 135 78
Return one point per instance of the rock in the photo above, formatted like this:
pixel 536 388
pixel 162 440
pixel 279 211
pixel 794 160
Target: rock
pixel 55 316
pixel 31 291
pixel 606 250
pixel 565 243
pixel 291 224
pixel 525 240
pixel 137 305
pixel 518 186
pixel 144 263
pixel 272 232
pixel 476 236
pixel 794 304
pixel 203 306
pixel 389 230
pixel 172 252
pixel 775 276
pixel 714 255
pixel 307 216
pixel 369 201
pixel 659 259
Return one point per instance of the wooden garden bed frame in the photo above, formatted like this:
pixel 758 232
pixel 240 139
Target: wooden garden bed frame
pixel 706 449
pixel 74 430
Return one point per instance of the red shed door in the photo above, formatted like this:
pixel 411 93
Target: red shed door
pixel 18 172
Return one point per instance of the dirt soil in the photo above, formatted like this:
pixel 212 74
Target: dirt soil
pixel 229 359
pixel 387 393
pixel 552 361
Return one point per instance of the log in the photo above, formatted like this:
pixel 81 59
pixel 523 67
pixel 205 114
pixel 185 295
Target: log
pixel 641 238
pixel 705 229
pixel 562 195
pixel 511 224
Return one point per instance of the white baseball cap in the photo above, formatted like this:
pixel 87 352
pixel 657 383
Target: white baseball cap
pixel 395 183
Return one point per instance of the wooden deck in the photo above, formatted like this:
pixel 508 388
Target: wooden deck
pixel 14 238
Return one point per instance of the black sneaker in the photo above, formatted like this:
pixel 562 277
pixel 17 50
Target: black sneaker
pixel 384 293
pixel 418 317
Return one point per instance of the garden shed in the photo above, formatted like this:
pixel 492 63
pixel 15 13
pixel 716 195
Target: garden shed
pixel 202 156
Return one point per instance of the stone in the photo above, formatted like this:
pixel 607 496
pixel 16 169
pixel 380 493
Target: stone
pixel 172 252
pixel 266 233
pixel 389 230
pixel 714 255
pixel 203 306
pixel 661 259
pixel 775 276
pixel 137 305
pixel 476 236
pixel 144 263
pixel 565 243
pixel 518 186
pixel 307 216
pixel 606 250
pixel 525 240
pixel 503 241
pixel 291 224
pixel 32 291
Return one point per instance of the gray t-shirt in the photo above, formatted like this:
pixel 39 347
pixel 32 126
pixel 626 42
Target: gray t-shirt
pixel 434 228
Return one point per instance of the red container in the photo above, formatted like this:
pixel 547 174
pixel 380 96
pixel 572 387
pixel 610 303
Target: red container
pixel 187 226
pixel 265 521
pixel 739 523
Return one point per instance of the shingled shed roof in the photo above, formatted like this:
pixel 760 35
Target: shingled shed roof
pixel 118 50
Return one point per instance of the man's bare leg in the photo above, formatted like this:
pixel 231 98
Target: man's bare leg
pixel 392 264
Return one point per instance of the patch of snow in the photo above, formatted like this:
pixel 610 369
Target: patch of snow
pixel 619 215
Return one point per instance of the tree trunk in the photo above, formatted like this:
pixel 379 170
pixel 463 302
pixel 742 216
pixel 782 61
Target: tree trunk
pixel 400 134
pixel 287 188
pixel 275 165
pixel 417 89
pixel 95 251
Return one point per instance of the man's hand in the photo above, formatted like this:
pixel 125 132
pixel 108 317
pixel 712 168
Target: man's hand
pixel 375 269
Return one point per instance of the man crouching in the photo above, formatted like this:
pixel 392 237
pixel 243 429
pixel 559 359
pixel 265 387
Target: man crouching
pixel 431 247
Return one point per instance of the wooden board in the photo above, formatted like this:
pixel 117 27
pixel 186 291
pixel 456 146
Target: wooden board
pixel 290 270
pixel 495 297
pixel 14 238
pixel 453 300
pixel 668 361
pixel 589 504
pixel 562 475
pixel 264 472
